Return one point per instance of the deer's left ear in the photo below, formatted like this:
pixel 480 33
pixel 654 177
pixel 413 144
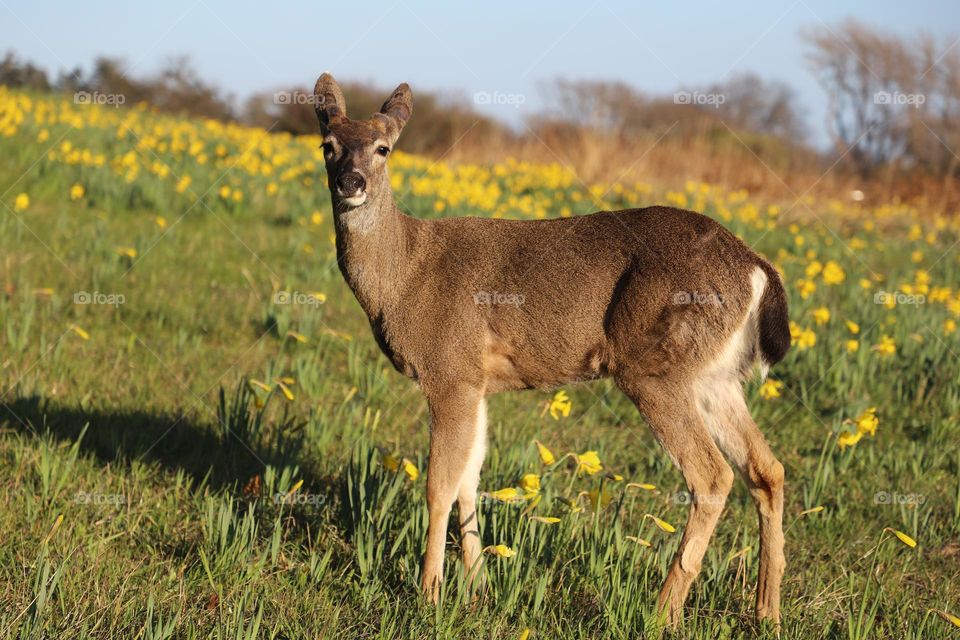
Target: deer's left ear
pixel 399 105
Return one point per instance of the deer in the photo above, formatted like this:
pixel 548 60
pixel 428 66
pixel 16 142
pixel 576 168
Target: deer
pixel 668 303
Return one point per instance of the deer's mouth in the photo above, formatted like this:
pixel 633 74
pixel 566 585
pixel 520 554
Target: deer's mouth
pixel 355 200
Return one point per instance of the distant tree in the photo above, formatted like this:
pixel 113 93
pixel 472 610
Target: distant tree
pixel 17 73
pixel 753 104
pixel 861 70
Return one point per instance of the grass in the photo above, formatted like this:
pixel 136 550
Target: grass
pixel 150 489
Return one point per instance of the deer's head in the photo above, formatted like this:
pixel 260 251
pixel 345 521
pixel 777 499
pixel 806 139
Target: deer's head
pixel 355 151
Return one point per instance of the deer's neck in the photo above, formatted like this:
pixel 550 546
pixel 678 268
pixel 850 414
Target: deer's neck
pixel 375 246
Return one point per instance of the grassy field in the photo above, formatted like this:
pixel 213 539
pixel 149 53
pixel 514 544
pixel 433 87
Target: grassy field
pixel 200 438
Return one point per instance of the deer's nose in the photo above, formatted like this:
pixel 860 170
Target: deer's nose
pixel 350 183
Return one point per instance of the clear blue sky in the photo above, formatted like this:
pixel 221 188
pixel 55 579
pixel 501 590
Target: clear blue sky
pixel 507 47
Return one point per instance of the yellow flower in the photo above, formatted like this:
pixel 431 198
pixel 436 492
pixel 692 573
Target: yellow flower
pixel 833 273
pixel 546 456
pixel 853 327
pixel 507 494
pixel 949 617
pixel 128 252
pixel 663 525
pixel 501 551
pixel 806 288
pixel 316 217
pixel 821 315
pixel 560 405
pixel 853 346
pixel 184 183
pixel 865 284
pixel 161 222
pixel 949 326
pixel 867 422
pixel 80 332
pixel 21 202
pixel 814 269
pixel 848 439
pixel 589 463
pixel 904 538
pixel 225 192
pixel 76 191
pixel 770 389
pixel 530 483
pixel 886 347
pixel 410 469
pixel 285 390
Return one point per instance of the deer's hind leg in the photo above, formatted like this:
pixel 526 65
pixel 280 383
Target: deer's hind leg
pixel 729 421
pixel 671 410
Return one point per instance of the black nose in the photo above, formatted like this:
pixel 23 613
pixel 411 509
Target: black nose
pixel 350 183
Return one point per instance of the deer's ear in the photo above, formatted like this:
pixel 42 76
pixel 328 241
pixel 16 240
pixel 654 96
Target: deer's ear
pixel 399 105
pixel 329 100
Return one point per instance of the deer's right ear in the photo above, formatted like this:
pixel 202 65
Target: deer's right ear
pixel 329 101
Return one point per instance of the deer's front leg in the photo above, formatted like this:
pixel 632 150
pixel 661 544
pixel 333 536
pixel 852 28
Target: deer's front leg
pixel 457 433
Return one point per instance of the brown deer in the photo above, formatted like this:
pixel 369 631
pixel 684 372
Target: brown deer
pixel 667 302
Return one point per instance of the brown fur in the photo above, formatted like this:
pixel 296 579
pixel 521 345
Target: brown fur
pixel 473 306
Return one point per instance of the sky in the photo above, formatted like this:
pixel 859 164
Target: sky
pixel 502 49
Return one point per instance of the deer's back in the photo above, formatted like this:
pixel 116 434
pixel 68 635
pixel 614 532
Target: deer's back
pixel 550 301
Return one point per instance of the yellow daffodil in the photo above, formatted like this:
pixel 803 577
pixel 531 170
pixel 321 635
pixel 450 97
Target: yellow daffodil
pixel 867 422
pixel 501 551
pixel 410 469
pixel 821 315
pixel 902 537
pixel 560 405
pixel 663 525
pixel 546 456
pixel 588 462
pixel 848 439
pixel 530 483
pixel 507 494
pixel 886 347
pixel 770 389
pixel 833 273
pixel 21 202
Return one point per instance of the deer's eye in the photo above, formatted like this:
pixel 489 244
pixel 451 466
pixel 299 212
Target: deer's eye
pixel 327 149
pixel 383 151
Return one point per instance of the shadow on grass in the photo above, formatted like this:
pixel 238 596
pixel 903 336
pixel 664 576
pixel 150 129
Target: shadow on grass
pixel 224 455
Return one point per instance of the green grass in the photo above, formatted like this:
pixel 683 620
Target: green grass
pixel 166 465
